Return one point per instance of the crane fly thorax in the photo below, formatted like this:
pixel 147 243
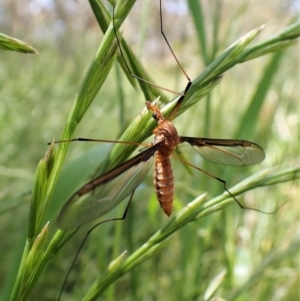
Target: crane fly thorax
pixel 167 134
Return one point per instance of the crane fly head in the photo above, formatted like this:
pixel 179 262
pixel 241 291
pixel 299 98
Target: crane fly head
pixel 157 114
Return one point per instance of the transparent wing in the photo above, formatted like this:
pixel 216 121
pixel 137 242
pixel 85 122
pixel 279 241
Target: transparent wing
pixel 105 192
pixel 227 151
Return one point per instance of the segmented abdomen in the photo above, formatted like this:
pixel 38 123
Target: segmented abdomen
pixel 163 181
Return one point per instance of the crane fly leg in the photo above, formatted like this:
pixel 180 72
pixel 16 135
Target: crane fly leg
pixel 85 239
pixel 225 187
pixel 127 66
pixel 212 176
pixel 169 46
pixel 182 94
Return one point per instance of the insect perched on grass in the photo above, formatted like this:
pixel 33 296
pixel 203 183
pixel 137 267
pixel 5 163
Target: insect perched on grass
pixel 106 191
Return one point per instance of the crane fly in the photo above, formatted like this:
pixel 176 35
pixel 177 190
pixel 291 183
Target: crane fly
pixel 100 195
pixel 106 191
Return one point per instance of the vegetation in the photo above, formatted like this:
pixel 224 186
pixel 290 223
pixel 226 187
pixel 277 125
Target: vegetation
pixel 200 252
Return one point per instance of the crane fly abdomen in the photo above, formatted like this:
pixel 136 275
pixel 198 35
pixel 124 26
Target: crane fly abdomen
pixel 167 138
pixel 163 181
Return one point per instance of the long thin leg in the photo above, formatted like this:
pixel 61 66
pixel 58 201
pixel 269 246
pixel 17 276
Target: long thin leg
pixel 225 187
pixel 127 66
pixel 165 37
pixel 85 239
pixel 182 95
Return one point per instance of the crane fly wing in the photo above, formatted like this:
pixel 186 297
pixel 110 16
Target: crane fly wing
pixel 105 192
pixel 227 151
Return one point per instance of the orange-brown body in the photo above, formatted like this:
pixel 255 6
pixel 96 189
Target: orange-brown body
pixel 163 178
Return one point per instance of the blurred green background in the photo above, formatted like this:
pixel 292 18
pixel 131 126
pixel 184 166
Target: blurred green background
pixel 36 94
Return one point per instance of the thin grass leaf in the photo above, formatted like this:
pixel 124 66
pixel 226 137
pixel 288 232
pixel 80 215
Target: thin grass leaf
pixel 196 11
pixel 29 266
pixel 38 207
pixel 218 5
pixel 214 285
pixel 144 21
pixel 213 72
pixel 103 18
pixel 253 111
pixel 291 32
pixel 285 175
pixel 13 44
pixel 259 179
pixel 37 211
pixel 102 283
pixel 32 263
pixel 117 262
pixel 285 38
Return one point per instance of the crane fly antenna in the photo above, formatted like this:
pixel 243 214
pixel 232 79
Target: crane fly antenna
pixel 85 239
